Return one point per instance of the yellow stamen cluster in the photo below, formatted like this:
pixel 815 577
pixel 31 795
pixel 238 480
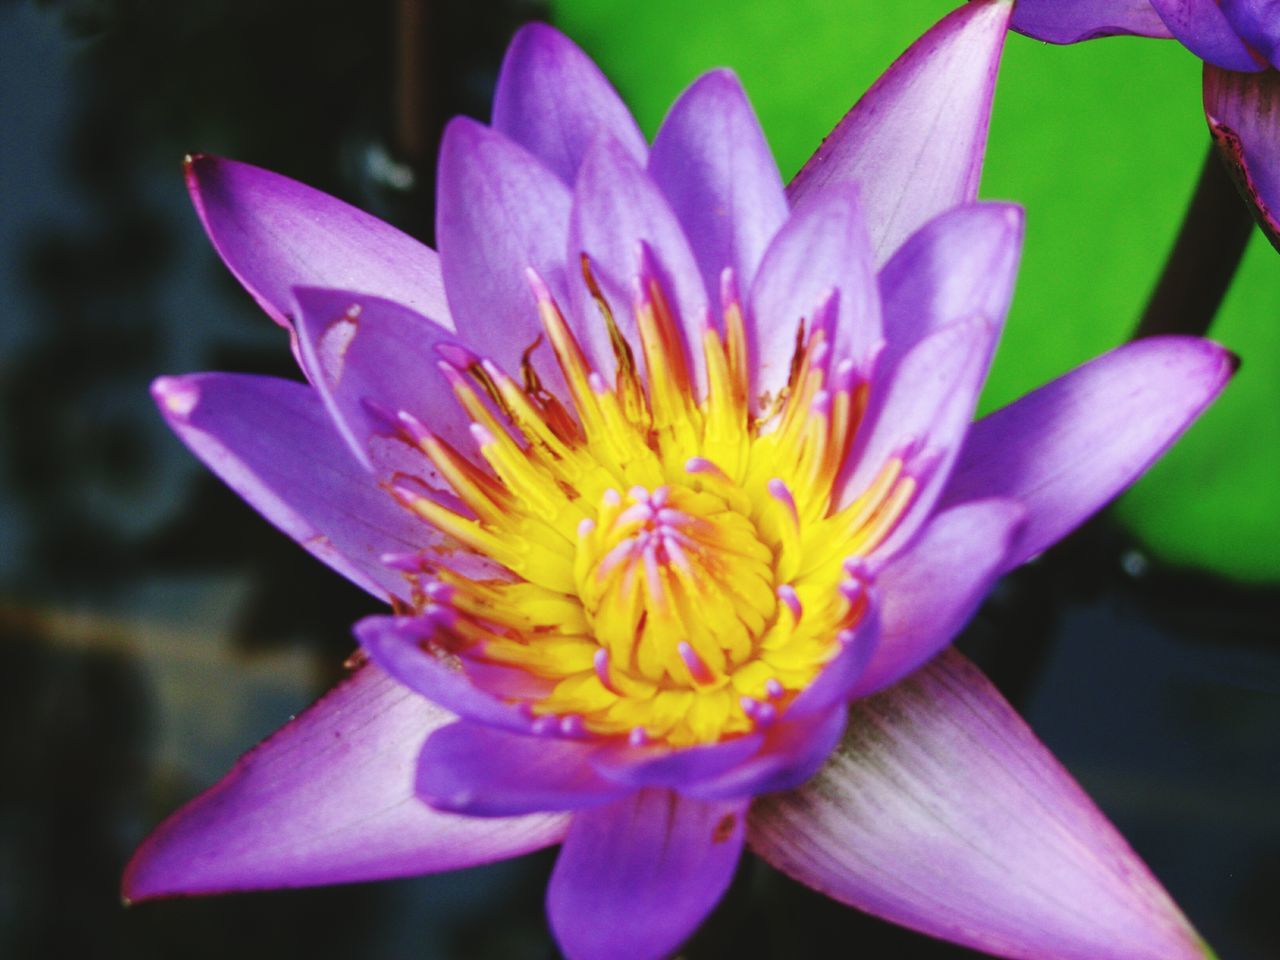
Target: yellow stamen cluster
pixel 675 566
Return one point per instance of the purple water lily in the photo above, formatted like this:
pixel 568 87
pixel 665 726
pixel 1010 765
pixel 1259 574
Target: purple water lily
pixel 669 476
pixel 1239 41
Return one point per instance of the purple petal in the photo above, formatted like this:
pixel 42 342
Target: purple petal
pixel 553 101
pixel 822 250
pixel 635 878
pixel 498 212
pixel 276 234
pixel 359 350
pixel 920 413
pixel 395 644
pixel 834 685
pixel 792 752
pixel 712 162
pixel 1203 29
pixel 941 811
pixel 1069 447
pixel 1243 110
pixel 961 264
pixel 1070 21
pixel 1258 24
pixel 928 592
pixel 914 142
pixel 329 798
pixel 272 442
pixel 664 767
pixel 485 772
pixel 617 210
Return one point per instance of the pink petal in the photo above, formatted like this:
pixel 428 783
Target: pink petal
pixel 329 798
pixel 1066 449
pixel 276 234
pixel 941 811
pixel 712 162
pixel 1243 110
pixel 914 142
pixel 1070 21
pixel 553 101
pixel 635 878
pixel 272 442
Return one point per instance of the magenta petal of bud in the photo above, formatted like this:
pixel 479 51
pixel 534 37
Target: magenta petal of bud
pixel 941 811
pixel 669 860
pixel 1204 29
pixel 1070 21
pixel 1243 110
pixel 914 143
pixel 327 799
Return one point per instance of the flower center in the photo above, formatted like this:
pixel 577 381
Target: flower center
pixel 699 603
pixel 676 584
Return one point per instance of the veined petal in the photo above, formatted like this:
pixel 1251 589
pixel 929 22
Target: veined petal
pixel 920 416
pixel 327 799
pixel 618 210
pixel 822 252
pixel 371 358
pixel 1202 28
pixel 1066 449
pixel 272 442
pixel 1070 21
pixel 914 142
pixel 499 211
pixel 485 772
pixel 960 264
pixel 1258 24
pixel 553 101
pixel 1243 110
pixel 712 162
pixel 669 860
pixel 941 811
pixel 930 590
pixel 276 234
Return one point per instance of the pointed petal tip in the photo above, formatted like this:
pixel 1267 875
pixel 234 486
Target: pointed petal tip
pixel 177 396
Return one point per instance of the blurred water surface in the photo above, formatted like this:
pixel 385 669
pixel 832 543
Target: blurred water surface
pixel 154 627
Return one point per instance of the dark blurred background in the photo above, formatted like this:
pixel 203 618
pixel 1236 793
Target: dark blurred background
pixel 154 627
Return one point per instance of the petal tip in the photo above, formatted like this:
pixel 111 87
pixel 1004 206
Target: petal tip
pixel 177 397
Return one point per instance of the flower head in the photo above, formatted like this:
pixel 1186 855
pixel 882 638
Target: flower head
pixel 1239 41
pixel 661 466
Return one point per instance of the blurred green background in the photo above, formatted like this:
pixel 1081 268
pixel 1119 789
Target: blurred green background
pixel 1101 142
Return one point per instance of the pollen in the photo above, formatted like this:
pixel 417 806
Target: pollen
pixel 661 562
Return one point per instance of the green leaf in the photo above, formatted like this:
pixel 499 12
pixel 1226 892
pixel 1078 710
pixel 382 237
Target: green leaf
pixel 1101 142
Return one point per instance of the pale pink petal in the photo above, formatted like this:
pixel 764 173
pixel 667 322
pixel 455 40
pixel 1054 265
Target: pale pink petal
pixel 941 811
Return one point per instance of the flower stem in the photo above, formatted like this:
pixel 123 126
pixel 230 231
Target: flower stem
pixel 1214 234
